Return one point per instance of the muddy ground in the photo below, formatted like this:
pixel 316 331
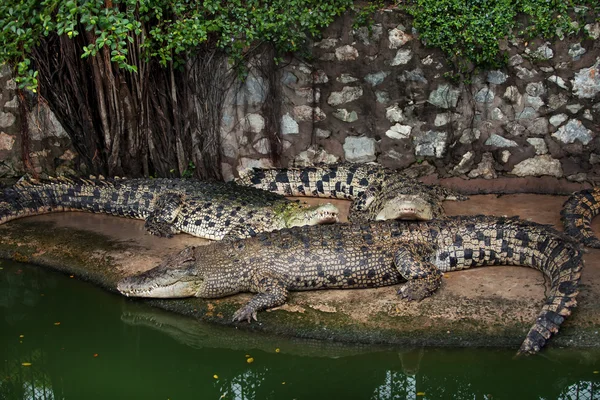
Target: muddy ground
pixel 491 306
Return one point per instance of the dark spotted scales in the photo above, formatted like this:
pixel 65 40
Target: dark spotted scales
pixel 387 253
pixel 211 210
pixel 577 214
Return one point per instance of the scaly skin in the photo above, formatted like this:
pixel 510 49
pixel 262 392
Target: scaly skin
pixel 370 255
pixel 377 193
pixel 213 210
pixel 577 214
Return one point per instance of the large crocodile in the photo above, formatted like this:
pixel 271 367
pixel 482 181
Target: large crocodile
pixel 211 210
pixel 370 255
pixel 577 214
pixel 377 193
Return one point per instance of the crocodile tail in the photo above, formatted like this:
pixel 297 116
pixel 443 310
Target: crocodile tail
pixel 35 197
pixel 337 181
pixel 564 264
pixel 577 214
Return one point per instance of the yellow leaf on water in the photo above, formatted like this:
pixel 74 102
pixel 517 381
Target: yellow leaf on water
pixel 596 372
pixel 26 364
pixel 420 393
pixel 57 323
pixel 71 276
pixel 247 355
pixel 216 376
pixel 283 383
pixel 277 350
pixel 95 354
pixel 250 360
pixel 21 336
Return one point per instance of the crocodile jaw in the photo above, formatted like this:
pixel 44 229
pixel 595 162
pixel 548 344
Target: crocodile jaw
pixel 177 276
pixel 405 208
pixel 321 214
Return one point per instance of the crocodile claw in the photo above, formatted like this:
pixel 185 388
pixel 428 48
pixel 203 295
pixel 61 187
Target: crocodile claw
pixel 414 290
pixel 245 313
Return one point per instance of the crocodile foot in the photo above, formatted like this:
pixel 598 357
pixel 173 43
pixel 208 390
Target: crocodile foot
pixel 245 313
pixel 416 289
pixel 160 228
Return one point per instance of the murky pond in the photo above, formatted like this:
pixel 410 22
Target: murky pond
pixel 65 339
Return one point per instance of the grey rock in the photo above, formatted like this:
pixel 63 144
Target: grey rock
pixel 346 78
pixel 535 89
pixel 547 69
pixel 246 164
pixel 366 37
pixel 445 96
pixel 4 70
pixel 593 30
pixel 514 128
pixel 496 77
pixel 346 53
pixel 556 101
pixel 394 113
pixel 308 113
pixel 327 43
pixel 534 101
pixel 538 166
pixel 403 56
pixel 346 95
pixel 309 94
pixel 344 115
pixel 327 57
pixel 6 141
pixel 427 60
pixel 253 123
pixel 431 144
pixel 415 75
pixel 587 114
pixel 528 112
pixel 524 73
pixel 442 119
pixel 382 96
pixel 322 133
pixel 376 78
pixel 485 95
pixel 572 131
pixel 574 108
pixel 319 76
pixel 538 127
pixel 594 158
pixel 505 156
pixel 397 37
pixel 558 119
pixel 576 51
pixel 359 149
pixel 13 103
pixel 399 131
pixel 498 141
pixel 11 84
pixel 560 82
pixel 544 52
pixel 289 79
pixel 252 92
pixel 465 163
pixel 515 60
pixel 497 114
pixel 485 169
pixel 6 119
pixel 312 156
pixel 262 146
pixel 512 95
pixel 469 136
pixel 289 126
pixel 586 83
pixel 539 145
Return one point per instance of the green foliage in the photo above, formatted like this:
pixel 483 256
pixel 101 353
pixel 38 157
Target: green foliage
pixel 364 15
pixel 469 31
pixel 166 30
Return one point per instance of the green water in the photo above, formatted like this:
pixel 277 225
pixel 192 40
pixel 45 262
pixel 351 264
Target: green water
pixel 85 343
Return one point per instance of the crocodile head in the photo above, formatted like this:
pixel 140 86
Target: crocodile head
pixel 298 214
pixel 405 206
pixel 176 277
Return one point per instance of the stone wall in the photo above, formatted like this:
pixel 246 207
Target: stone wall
pixel 46 147
pixel 383 96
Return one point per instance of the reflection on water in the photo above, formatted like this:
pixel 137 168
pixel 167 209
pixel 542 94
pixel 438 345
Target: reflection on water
pixel 64 339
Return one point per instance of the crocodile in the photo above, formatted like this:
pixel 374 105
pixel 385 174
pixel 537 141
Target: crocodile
pixel 577 214
pixel 210 210
pixel 377 193
pixel 370 255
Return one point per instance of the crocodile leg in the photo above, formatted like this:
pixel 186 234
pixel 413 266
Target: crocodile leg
pixel 271 292
pixel 166 209
pixel 411 260
pixel 239 232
